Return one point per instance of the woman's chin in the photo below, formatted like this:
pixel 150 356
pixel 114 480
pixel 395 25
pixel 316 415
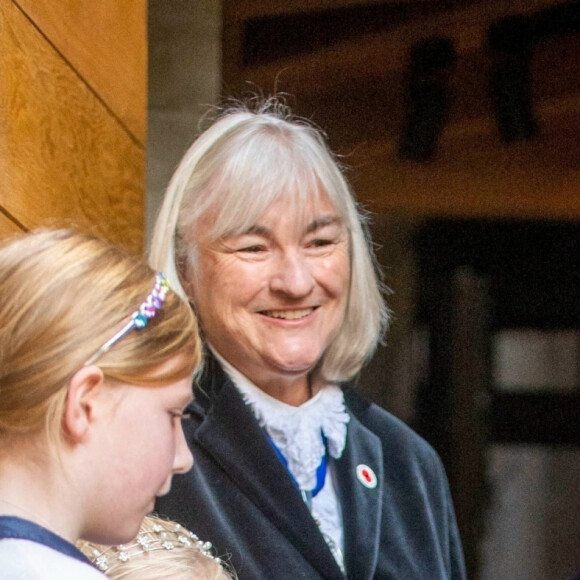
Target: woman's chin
pixel 296 368
pixel 293 360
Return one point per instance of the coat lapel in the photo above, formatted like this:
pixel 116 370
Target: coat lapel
pixel 234 438
pixel 361 504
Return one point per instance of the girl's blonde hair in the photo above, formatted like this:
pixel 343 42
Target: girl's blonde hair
pixel 246 161
pixel 64 294
pixel 162 549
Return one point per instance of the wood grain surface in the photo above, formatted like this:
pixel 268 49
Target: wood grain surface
pixel 64 158
pixel 106 44
pixel 8 226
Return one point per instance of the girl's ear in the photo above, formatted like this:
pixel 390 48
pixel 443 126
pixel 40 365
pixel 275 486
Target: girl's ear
pixel 82 397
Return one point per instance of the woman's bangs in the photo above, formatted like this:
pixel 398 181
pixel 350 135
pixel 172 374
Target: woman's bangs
pixel 248 192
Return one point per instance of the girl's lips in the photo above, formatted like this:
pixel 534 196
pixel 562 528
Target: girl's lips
pixel 288 314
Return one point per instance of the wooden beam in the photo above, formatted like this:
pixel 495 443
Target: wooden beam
pixel 366 55
pixel 475 174
pixel 246 9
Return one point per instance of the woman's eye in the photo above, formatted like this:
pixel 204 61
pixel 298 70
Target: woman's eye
pixel 252 249
pixel 320 243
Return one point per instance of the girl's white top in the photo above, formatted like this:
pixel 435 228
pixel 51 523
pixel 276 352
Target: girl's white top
pixel 27 560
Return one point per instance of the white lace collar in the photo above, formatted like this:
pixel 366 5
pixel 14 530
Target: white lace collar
pixel 296 430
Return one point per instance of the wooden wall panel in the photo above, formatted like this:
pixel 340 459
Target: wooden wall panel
pixel 106 43
pixel 64 158
pixel 8 226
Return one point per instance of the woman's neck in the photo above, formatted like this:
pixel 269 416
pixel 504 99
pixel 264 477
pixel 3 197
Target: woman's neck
pixel 292 393
pixel 291 389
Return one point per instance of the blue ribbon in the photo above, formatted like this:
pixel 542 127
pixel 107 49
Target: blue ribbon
pixel 320 470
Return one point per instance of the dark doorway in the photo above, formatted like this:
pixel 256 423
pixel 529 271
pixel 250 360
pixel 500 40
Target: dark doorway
pixel 501 304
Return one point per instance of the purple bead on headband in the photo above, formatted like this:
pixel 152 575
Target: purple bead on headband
pixel 141 317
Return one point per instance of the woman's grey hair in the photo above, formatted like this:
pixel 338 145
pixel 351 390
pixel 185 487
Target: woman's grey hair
pixel 243 163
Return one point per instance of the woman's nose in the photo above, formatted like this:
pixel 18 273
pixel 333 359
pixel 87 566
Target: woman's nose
pixel 292 275
pixel 183 460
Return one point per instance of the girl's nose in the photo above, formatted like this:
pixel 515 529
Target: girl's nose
pixel 183 461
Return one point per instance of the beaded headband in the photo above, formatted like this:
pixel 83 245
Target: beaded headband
pixel 172 536
pixel 139 318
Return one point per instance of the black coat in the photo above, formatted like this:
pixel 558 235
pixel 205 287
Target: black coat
pixel 239 496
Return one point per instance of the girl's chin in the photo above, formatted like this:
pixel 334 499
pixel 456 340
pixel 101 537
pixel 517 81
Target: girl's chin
pixel 164 490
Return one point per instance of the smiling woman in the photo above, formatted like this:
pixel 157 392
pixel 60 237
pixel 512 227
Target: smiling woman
pixel 296 475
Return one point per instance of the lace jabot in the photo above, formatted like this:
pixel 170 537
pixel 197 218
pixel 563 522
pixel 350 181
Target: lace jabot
pixel 296 431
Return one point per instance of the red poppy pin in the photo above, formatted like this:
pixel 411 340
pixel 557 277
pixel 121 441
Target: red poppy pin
pixel 366 476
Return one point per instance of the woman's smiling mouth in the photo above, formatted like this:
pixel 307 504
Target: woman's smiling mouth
pixel 288 314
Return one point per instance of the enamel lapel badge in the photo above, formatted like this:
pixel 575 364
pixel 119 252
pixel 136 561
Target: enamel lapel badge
pixel 366 476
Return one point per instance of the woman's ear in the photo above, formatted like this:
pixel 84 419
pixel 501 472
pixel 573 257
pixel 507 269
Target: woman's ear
pixel 82 397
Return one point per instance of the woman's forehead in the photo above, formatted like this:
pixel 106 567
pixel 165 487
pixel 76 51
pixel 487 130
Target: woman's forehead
pixel 313 212
pixel 302 209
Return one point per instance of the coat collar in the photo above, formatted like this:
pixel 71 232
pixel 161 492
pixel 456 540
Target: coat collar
pixel 231 434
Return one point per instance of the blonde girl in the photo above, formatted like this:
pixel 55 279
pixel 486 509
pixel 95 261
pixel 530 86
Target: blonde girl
pixel 96 361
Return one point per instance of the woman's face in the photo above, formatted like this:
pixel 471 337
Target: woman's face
pixel 272 299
